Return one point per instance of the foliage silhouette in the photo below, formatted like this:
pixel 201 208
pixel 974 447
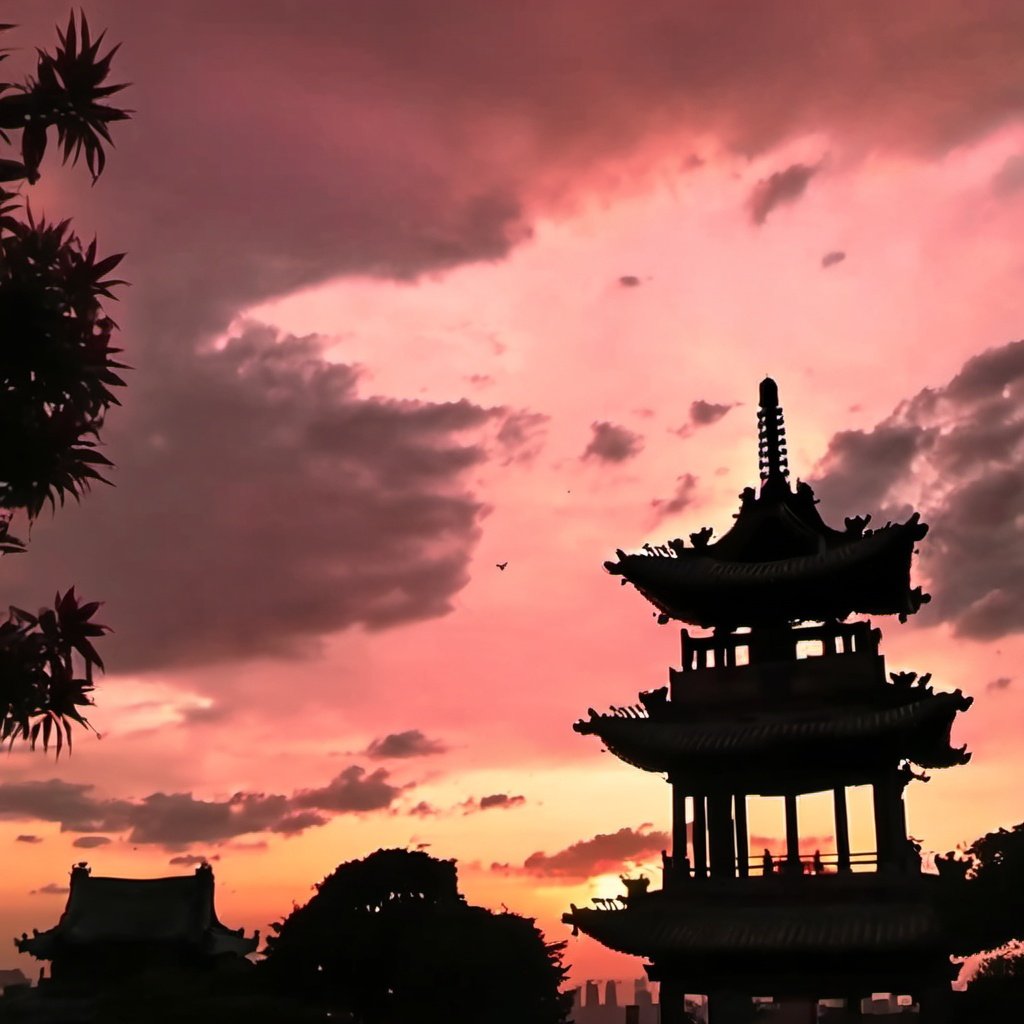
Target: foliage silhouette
pixel 57 371
pixel 389 939
pixel 993 912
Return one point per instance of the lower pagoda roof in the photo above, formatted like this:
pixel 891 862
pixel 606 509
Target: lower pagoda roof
pixel 663 929
pixel 172 911
pixel 840 738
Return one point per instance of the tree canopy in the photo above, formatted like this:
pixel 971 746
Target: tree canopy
pixel 389 939
pixel 57 370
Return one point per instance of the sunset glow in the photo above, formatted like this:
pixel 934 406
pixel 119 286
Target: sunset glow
pixel 420 291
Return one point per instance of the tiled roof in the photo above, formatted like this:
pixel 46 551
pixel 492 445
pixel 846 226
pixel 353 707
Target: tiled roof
pixel 175 910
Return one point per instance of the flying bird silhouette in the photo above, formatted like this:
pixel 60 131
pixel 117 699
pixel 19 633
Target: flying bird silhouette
pixel 501 565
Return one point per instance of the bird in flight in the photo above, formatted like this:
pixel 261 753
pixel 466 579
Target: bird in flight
pixel 501 565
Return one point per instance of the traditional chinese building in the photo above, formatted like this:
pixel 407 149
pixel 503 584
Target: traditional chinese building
pixel 114 927
pixel 784 693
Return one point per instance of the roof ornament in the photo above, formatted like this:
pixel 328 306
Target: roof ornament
pixel 771 429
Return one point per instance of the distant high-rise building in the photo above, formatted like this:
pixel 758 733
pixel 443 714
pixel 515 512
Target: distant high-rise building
pixel 611 994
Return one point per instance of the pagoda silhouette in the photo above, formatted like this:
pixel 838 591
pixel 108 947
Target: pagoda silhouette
pixel 785 694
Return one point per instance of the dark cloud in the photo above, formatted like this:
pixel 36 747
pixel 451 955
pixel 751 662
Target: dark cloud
pixel 683 496
pixel 174 820
pixel 830 259
pixel 274 505
pixel 629 281
pixel 244 475
pixel 352 790
pixel 411 743
pixel 424 809
pixel 90 842
pixel 612 443
pixel 192 859
pixel 28 839
pixel 956 453
pixel 1010 177
pixel 495 801
pixel 782 187
pixel 703 413
pixel 1002 683
pixel 502 800
pixel 588 857
pixel 50 889
pixel 480 379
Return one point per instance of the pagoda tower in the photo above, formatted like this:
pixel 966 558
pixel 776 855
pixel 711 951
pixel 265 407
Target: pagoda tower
pixel 782 692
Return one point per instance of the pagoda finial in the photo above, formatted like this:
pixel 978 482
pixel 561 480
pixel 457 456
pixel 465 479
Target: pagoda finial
pixel 772 459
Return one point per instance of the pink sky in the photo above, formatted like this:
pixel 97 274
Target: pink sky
pixel 393 266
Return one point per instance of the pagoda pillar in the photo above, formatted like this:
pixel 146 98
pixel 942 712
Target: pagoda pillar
pixel 728 1008
pixel 671 1002
pixel 742 840
pixel 700 838
pixel 720 834
pixel 792 836
pixel 842 828
pixel 680 848
pixel 890 821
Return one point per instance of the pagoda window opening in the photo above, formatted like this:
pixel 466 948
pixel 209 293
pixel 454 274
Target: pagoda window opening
pixel 809 649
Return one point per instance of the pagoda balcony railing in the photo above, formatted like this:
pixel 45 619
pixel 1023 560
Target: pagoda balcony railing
pixel 766 664
pixel 783 867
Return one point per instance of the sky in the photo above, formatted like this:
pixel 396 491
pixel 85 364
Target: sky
pixel 418 290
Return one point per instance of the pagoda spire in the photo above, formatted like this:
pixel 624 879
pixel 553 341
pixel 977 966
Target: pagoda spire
pixel 772 459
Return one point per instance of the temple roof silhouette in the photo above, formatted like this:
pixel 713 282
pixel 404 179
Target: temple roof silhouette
pixel 849 741
pixel 780 562
pixel 661 928
pixel 175 911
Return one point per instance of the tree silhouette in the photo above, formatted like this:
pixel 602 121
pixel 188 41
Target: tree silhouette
pixel 390 939
pixel 57 369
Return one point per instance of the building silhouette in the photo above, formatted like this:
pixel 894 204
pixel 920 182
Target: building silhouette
pixel 783 695
pixel 112 928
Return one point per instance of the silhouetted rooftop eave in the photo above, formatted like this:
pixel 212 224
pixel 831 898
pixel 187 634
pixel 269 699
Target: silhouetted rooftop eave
pixel 659 929
pixel 918 730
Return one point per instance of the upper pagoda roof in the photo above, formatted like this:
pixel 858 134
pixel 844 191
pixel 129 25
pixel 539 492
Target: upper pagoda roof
pixel 176 910
pixel 780 562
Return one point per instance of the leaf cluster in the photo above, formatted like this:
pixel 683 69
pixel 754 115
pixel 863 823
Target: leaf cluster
pixel 64 95
pixel 46 670
pixel 414 957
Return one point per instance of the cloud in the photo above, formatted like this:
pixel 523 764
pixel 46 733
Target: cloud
pixel 830 259
pixel 90 842
pixel 192 859
pixel 174 820
pixel 612 443
pixel 683 496
pixel 275 505
pixel 782 187
pixel 629 281
pixel 1010 177
pixel 495 801
pixel 522 436
pixel 703 413
pixel 352 790
pixel 50 889
pixel 423 809
pixel 28 839
pixel 603 853
pixel 1002 683
pixel 411 743
pixel 956 453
